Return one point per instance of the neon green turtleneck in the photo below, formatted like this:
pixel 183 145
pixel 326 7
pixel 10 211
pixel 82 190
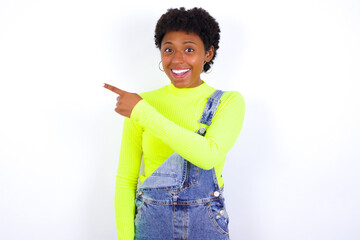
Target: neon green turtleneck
pixel 163 122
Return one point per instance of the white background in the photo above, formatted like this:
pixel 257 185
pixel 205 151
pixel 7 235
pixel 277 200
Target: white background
pixel 294 172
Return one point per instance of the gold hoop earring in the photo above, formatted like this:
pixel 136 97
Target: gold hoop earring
pixel 160 63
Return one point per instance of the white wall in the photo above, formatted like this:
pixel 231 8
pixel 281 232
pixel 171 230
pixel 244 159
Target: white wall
pixel 293 173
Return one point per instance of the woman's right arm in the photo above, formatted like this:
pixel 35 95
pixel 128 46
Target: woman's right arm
pixel 127 178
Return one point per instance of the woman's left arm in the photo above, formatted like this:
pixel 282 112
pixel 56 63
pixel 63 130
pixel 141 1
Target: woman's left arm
pixel 203 151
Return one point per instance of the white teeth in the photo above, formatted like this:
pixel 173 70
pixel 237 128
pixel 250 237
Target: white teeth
pixel 180 71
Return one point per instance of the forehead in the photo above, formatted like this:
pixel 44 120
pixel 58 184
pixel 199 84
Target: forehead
pixel 180 37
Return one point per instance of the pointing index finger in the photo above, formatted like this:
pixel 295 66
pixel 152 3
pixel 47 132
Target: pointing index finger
pixel 114 89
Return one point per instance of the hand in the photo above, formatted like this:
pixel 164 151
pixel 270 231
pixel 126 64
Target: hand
pixel 126 101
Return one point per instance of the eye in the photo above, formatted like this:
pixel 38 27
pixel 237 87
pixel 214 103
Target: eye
pixel 189 50
pixel 167 50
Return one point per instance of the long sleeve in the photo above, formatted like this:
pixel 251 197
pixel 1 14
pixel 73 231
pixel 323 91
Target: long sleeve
pixel 127 178
pixel 203 151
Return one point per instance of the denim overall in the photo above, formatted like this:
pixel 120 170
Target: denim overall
pixel 180 200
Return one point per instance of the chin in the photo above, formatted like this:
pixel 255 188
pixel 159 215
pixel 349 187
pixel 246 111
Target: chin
pixel 180 84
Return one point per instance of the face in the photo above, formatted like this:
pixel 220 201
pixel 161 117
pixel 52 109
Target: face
pixel 183 56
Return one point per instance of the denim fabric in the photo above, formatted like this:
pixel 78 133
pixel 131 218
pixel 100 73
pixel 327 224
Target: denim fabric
pixel 211 107
pixel 180 200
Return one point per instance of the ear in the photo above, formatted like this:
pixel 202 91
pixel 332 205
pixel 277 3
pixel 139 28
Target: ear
pixel 209 54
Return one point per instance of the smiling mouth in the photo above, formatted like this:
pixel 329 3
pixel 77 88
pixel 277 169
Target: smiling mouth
pixel 179 72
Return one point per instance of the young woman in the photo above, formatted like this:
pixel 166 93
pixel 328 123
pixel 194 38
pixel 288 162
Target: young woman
pixel 183 132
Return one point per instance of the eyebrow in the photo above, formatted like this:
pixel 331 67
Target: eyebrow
pixel 183 42
pixel 189 42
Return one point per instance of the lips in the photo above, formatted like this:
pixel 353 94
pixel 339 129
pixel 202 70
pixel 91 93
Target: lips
pixel 178 73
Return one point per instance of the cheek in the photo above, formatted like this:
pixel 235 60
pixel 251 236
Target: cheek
pixel 197 62
pixel 165 60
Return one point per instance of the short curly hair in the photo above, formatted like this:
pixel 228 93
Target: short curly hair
pixel 195 20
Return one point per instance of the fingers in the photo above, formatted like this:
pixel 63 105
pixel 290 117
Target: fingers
pixel 114 89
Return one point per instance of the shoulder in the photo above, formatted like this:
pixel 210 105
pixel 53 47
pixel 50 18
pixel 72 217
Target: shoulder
pixel 232 96
pixel 232 100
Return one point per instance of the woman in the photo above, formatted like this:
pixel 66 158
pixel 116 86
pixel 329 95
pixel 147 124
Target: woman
pixel 183 132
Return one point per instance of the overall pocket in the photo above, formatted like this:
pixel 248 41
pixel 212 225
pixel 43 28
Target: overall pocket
pixel 218 216
pixel 139 207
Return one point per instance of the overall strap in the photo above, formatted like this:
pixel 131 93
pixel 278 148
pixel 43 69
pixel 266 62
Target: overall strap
pixel 210 109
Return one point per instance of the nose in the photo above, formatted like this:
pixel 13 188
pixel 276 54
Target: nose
pixel 178 57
